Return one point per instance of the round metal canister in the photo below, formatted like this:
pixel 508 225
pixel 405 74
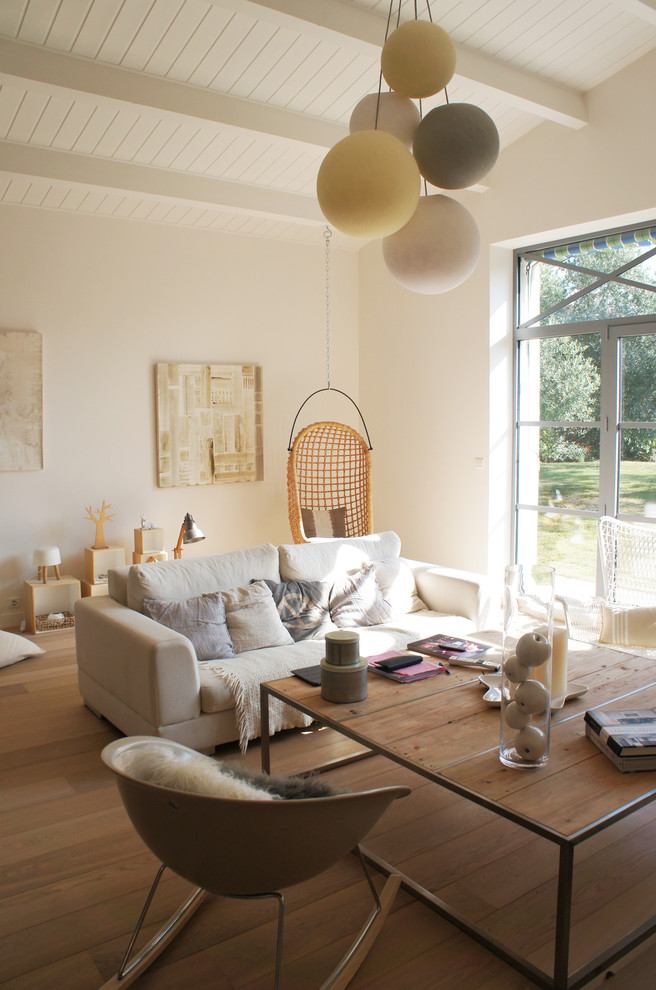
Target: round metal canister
pixel 342 648
pixel 344 684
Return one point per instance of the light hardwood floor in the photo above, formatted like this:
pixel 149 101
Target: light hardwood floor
pixel 74 874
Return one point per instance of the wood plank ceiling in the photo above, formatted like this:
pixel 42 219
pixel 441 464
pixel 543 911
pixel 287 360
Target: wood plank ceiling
pixel 217 113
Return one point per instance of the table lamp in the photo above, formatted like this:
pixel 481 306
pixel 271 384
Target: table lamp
pixel 45 557
pixel 189 533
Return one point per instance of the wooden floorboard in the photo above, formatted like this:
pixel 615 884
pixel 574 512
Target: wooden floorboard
pixel 73 873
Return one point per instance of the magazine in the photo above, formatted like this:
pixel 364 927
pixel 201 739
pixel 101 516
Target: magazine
pixel 458 651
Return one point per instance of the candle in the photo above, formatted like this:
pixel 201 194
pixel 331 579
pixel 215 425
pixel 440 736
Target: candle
pixel 558 664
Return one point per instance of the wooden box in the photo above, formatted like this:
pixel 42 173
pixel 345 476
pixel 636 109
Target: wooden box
pixel 148 541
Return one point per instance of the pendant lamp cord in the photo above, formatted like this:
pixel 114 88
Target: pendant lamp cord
pixel 327 235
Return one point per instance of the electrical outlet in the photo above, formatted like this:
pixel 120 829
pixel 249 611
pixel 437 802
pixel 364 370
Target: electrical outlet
pixel 12 603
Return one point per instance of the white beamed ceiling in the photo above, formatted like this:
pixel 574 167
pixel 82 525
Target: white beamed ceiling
pixel 217 113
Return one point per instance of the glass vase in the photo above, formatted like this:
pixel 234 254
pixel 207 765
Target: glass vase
pixel 526 671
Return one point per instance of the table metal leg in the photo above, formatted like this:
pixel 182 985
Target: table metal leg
pixel 563 917
pixel 264 729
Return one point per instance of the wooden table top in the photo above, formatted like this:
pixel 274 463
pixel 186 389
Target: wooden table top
pixel 442 728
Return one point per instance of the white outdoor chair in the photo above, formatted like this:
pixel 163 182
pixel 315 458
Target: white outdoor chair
pixel 628 565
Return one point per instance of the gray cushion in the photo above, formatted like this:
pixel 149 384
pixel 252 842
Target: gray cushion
pixel 323 522
pixel 356 600
pixel 252 617
pixel 202 620
pixel 302 607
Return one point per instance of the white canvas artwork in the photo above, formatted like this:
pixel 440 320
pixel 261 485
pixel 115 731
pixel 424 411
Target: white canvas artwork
pixel 21 400
pixel 209 424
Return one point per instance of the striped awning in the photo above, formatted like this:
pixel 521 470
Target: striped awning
pixel 645 237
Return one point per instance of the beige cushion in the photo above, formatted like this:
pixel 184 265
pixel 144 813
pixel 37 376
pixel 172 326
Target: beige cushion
pixel 252 617
pixel 626 626
pixel 324 561
pixel 356 600
pixel 323 522
pixel 397 584
pixel 181 579
pixel 14 648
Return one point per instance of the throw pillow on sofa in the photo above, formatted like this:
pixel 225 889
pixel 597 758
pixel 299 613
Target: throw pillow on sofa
pixel 252 617
pixel 302 607
pixel 356 600
pixel 202 620
pixel 397 584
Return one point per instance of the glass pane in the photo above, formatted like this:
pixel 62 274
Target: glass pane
pixel 638 473
pixel 560 378
pixel 576 267
pixel 568 543
pixel 559 467
pixel 638 363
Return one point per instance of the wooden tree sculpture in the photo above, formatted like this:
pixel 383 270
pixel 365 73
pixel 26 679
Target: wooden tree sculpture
pixel 100 518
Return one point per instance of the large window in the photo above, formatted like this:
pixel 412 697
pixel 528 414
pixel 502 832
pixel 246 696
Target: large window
pixel 585 425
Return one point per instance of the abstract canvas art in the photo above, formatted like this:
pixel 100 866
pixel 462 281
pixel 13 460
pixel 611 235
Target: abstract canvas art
pixel 21 400
pixel 209 424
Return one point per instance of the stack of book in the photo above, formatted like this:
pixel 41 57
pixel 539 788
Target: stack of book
pixel 403 667
pixel 627 736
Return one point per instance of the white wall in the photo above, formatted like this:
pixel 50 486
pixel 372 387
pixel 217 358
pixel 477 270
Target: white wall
pixel 111 299
pixel 435 370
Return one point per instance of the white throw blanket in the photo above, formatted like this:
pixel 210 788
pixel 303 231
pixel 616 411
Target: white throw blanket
pixel 244 675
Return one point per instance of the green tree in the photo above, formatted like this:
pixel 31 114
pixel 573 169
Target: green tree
pixel 569 390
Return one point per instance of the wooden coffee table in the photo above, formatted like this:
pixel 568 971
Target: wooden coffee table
pixel 441 729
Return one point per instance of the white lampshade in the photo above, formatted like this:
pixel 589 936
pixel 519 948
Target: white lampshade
pixel 387 112
pixel 437 249
pixel 47 556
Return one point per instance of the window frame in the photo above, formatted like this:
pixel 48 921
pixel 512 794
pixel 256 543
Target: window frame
pixel 610 423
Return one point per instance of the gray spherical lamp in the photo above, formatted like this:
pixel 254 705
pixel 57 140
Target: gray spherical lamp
pixel 418 59
pixel 437 249
pixel 368 184
pixel 456 145
pixel 387 112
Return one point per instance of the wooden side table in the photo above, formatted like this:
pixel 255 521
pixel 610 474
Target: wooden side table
pixel 41 600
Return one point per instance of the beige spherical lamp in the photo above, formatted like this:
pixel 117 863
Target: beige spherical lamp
pixel 418 59
pixel 437 249
pixel 387 112
pixel 456 145
pixel 368 184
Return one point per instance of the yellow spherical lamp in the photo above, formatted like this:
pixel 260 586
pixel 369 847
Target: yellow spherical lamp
pixel 437 249
pixel 368 184
pixel 418 59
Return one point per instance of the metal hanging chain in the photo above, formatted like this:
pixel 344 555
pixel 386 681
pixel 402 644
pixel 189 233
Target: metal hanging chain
pixel 327 235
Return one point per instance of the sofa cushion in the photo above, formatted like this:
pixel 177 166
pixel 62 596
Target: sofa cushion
pixel 397 583
pixel 202 620
pixel 253 620
pixel 181 579
pixel 326 560
pixel 356 600
pixel 302 607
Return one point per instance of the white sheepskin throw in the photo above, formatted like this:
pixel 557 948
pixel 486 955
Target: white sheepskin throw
pixel 187 772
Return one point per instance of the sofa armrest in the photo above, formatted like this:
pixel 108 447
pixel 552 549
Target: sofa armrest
pixel 151 668
pixel 455 592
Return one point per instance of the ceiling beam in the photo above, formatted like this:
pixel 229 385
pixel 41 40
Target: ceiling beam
pixel 44 163
pixel 643 9
pixel 42 67
pixel 347 24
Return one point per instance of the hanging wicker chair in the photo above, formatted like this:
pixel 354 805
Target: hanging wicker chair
pixel 329 483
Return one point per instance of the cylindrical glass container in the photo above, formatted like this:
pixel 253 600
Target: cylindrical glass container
pixel 526 672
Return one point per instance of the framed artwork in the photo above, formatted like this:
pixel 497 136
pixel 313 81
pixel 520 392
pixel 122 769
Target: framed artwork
pixel 209 424
pixel 21 400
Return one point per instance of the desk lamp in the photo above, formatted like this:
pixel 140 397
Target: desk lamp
pixel 189 533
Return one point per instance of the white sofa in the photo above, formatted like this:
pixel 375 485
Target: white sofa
pixel 145 678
